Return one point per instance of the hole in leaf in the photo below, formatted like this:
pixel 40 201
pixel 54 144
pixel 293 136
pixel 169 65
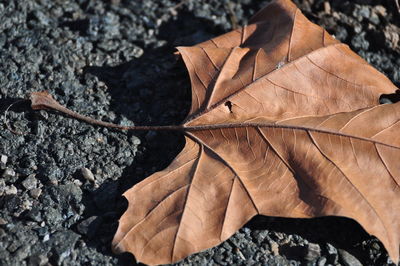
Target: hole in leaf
pixel 390 98
pixel 229 105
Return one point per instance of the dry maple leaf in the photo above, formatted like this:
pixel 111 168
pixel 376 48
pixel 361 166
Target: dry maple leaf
pixel 270 140
pixel 285 121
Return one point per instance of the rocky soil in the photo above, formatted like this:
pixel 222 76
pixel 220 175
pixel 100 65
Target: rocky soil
pixel 61 180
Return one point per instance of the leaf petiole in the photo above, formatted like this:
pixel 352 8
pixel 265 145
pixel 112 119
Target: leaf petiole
pixel 43 100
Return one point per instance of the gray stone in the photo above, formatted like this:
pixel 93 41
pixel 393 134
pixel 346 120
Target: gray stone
pixel 374 18
pixel 30 182
pixel 3 221
pixel 277 261
pixel 3 159
pixel 13 247
pixel 2 232
pixel 313 252
pixel 365 12
pixel 46 238
pixel 22 252
pixel 26 204
pixel 385 101
pixel 8 172
pixel 87 174
pixel 11 190
pixel 63 242
pixel 348 259
pixel 331 249
pixel 38 260
pixel 380 10
pixel 274 248
pixel 135 140
pixel 77 182
pixel 333 256
pixel 2 187
pixel 52 216
pixel 321 261
pixel 35 193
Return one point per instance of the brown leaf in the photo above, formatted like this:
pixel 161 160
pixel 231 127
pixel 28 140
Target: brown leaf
pixel 284 122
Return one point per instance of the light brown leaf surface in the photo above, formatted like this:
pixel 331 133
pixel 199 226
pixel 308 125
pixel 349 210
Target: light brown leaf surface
pixel 285 121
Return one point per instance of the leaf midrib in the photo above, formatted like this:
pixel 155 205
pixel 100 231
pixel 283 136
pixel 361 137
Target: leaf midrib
pixel 187 129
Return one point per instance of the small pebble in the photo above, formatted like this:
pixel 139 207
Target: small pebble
pixel 327 7
pixel 2 187
pixel 30 182
pixel 381 10
pixel 78 182
pixel 274 248
pixel 385 101
pixel 39 260
pixel 2 221
pixel 26 205
pixel 35 192
pixel 135 140
pixel 321 261
pixel 87 174
pixel 11 190
pixel 348 259
pixel 331 249
pixel 54 181
pixel 13 247
pixel 240 254
pixel 313 252
pixel 8 173
pixel 46 238
pixel 376 246
pixel 3 159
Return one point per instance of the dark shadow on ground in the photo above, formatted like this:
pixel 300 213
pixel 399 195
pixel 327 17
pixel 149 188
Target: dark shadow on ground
pixel 343 233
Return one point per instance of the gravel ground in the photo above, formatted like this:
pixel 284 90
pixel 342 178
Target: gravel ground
pixel 113 60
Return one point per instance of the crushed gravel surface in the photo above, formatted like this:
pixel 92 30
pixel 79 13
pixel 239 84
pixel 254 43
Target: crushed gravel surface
pixel 61 181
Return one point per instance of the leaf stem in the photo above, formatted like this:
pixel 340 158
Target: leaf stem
pixel 43 100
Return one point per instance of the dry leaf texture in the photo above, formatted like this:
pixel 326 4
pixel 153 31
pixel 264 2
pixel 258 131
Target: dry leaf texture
pixel 285 121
